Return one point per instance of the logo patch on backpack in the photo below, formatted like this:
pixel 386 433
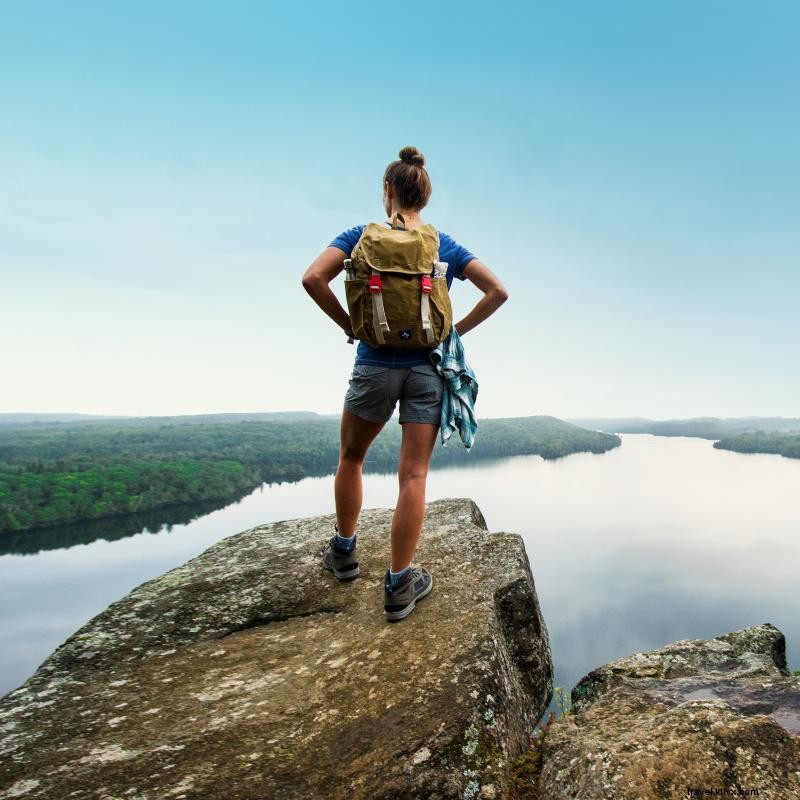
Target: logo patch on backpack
pixel 405 334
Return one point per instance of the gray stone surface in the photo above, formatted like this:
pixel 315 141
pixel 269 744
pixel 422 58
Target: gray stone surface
pixel 718 714
pixel 250 672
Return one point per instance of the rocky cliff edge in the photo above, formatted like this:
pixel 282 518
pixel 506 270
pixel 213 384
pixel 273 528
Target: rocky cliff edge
pixel 251 673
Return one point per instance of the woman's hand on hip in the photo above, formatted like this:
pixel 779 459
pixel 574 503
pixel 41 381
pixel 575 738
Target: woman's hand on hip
pixel 494 295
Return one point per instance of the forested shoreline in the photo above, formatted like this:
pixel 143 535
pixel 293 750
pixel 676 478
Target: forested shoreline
pixel 61 473
pixel 784 444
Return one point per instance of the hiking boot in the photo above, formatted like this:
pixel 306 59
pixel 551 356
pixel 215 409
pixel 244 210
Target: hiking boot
pixel 343 563
pixel 399 602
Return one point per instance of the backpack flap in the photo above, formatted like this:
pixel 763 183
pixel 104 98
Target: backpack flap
pixel 394 250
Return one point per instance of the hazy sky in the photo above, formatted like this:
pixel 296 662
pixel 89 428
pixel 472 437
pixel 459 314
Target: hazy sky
pixel 631 170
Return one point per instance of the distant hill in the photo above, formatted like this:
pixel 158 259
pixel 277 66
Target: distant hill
pixel 28 418
pixel 611 424
pixel 701 427
pixel 258 416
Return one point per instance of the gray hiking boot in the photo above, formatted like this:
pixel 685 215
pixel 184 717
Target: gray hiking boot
pixel 343 563
pixel 399 602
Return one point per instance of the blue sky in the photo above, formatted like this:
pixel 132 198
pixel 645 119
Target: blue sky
pixel 630 170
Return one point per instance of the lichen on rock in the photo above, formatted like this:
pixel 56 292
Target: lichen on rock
pixel 699 714
pixel 250 672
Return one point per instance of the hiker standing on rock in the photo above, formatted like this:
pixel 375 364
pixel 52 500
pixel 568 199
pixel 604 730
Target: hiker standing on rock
pixel 397 278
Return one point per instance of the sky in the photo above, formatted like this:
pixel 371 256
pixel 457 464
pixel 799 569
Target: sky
pixel 630 171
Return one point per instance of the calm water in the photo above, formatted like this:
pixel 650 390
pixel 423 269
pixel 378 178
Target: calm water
pixel 658 540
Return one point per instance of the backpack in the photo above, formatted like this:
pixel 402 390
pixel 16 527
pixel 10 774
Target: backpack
pixel 396 287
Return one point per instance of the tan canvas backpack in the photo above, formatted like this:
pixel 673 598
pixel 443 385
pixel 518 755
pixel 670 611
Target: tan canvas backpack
pixel 396 287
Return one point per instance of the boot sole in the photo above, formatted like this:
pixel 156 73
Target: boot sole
pixel 396 616
pixel 350 575
pixel 342 575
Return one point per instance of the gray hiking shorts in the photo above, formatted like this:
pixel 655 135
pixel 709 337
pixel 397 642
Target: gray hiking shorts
pixel 374 392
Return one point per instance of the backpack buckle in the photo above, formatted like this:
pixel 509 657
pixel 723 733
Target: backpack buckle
pixel 375 283
pixel 427 286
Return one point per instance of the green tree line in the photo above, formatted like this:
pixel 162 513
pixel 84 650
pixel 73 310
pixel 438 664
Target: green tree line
pixel 30 499
pixel 785 444
pixel 59 473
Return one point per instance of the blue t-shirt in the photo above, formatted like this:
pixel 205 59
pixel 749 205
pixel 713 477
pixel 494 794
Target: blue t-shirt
pixel 456 256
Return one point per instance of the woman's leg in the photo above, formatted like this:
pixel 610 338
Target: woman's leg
pixel 356 436
pixel 415 455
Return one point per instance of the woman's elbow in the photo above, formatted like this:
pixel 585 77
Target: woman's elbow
pixel 501 295
pixel 310 281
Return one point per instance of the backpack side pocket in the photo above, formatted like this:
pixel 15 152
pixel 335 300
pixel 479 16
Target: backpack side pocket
pixel 441 309
pixel 357 292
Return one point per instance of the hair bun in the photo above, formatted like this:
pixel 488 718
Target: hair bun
pixel 410 155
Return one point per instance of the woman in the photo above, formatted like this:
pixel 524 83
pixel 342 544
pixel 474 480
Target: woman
pixel 381 377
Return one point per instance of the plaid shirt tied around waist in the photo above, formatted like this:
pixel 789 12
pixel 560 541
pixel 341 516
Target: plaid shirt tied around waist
pixel 460 390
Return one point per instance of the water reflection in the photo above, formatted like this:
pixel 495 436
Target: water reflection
pixel 113 528
pixel 658 540
pixel 109 529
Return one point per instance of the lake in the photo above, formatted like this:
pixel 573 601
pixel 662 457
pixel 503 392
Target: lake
pixel 657 540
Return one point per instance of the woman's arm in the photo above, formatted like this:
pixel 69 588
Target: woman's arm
pixel 494 295
pixel 325 267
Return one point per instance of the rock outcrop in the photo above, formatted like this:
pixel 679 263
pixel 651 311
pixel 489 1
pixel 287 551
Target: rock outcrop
pixel 694 716
pixel 251 673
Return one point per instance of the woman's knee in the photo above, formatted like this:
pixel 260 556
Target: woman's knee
pixel 413 471
pixel 354 456
pixel 356 436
